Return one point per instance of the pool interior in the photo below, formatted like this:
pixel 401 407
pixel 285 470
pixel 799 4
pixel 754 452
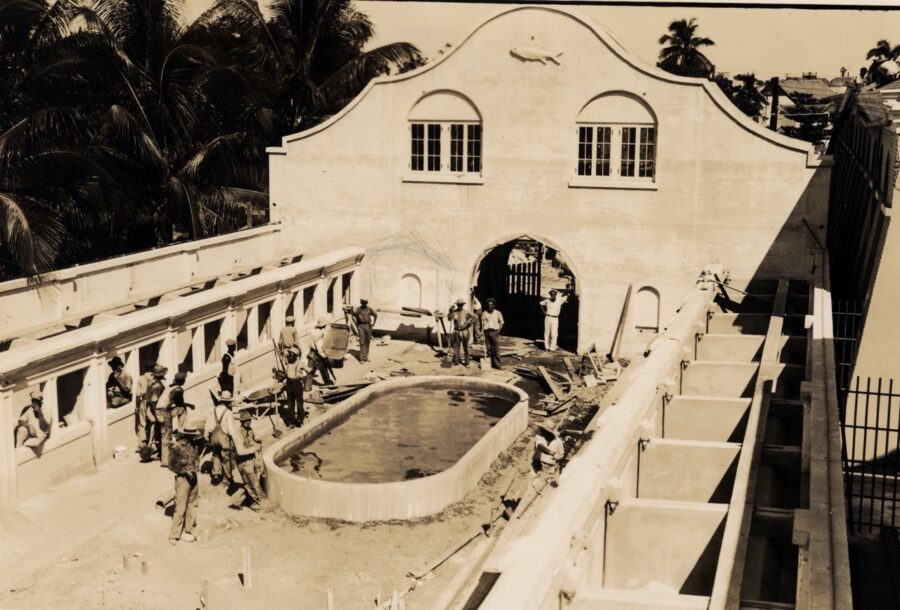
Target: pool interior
pixel 405 434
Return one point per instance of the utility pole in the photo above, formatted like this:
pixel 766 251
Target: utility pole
pixel 773 117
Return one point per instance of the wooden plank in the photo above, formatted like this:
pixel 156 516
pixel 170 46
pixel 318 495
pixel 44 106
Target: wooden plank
pixel 570 366
pixel 551 383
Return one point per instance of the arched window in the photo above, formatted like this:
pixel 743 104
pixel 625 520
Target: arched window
pixel 410 291
pixel 646 310
pixel 445 135
pixel 616 139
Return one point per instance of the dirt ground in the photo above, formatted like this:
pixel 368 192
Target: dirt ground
pixel 129 563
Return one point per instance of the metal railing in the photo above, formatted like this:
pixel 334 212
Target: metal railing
pixel 871 431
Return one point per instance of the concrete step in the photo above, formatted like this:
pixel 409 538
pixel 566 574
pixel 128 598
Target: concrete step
pixel 661 543
pixel 705 418
pixel 720 379
pixel 729 347
pixel 599 598
pixel 687 471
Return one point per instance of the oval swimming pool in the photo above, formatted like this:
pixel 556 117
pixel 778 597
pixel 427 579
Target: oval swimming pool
pixel 399 449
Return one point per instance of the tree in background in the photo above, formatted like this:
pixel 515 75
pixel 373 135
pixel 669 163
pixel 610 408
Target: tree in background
pixel 123 127
pixel 681 54
pixel 882 69
pixel 747 97
pixel 811 118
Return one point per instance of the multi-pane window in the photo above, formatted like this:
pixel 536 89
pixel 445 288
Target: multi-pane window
pixel 456 147
pixel 445 147
pixel 473 148
pixel 647 165
pixel 417 133
pixel 617 151
pixel 434 147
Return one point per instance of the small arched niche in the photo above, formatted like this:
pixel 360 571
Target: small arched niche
pixel 646 310
pixel 410 290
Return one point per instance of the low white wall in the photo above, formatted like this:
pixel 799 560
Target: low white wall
pixel 83 290
pixel 87 435
pixel 300 495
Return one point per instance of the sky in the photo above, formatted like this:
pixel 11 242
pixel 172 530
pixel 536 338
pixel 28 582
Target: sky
pixel 766 41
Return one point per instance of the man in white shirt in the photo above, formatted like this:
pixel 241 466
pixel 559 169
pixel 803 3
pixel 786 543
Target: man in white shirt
pixel 551 308
pixel 492 323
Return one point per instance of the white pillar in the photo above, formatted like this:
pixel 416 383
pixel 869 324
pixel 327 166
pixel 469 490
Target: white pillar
pixel 321 298
pixel 95 405
pixel 197 345
pixel 277 315
pixel 252 326
pixel 167 352
pixel 8 419
pixel 51 404
pixel 229 323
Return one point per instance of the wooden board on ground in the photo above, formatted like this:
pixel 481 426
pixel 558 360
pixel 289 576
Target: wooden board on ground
pixel 551 383
pixel 590 381
pixel 570 366
pixel 594 364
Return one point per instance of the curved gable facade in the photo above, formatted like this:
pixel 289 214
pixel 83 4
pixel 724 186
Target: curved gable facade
pixel 527 88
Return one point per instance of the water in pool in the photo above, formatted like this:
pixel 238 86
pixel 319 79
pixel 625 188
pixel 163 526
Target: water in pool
pixel 406 434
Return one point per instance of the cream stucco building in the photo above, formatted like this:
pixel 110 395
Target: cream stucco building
pixel 538 123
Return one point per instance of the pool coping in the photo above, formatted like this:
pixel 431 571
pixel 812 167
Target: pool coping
pixel 360 502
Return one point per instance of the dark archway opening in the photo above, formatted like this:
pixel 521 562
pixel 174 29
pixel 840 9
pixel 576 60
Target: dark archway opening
pixel 519 274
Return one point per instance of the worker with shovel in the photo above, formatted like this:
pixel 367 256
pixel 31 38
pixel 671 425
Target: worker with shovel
pixel 247 455
pixel 295 370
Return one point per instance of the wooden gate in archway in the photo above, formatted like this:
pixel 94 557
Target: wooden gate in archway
pixel 516 287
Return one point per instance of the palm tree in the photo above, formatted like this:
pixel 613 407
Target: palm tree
pixel 682 54
pixel 879 54
pixel 51 183
pixel 748 96
pixel 318 60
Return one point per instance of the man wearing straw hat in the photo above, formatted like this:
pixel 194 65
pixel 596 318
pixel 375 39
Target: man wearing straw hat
pixel 184 461
pixel 295 370
pixel 247 449
pixel 460 321
pixel 32 427
pixel 220 431
pixel 317 359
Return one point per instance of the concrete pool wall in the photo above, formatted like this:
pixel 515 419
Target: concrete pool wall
pixel 299 495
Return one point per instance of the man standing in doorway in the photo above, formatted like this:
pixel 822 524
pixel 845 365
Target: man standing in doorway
pixel 288 337
pixel 229 368
pixel 551 308
pixel 461 321
pixel 365 318
pixel 118 385
pixel 154 393
pixel 492 323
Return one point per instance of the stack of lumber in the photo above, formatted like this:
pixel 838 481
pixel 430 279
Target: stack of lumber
pixel 336 393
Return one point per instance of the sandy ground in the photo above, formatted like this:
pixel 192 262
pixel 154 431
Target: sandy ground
pixel 98 541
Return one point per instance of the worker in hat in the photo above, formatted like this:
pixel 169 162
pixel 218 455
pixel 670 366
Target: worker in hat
pixel 220 430
pixel 548 453
pixel 317 359
pixel 229 368
pixel 365 318
pixel 295 369
pixel 551 307
pixel 141 424
pixel 118 385
pixel 477 333
pixel 184 461
pixel 247 450
pixel 460 323
pixel 32 428
pixel 492 324
pixel 154 416
pixel 171 410
pixel 288 337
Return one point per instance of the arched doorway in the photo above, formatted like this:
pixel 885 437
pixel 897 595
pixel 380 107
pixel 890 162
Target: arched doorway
pixel 519 274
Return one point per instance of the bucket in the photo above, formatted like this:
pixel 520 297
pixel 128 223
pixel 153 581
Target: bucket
pixel 120 453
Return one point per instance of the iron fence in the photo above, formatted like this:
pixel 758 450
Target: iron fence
pixel 848 318
pixel 871 432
